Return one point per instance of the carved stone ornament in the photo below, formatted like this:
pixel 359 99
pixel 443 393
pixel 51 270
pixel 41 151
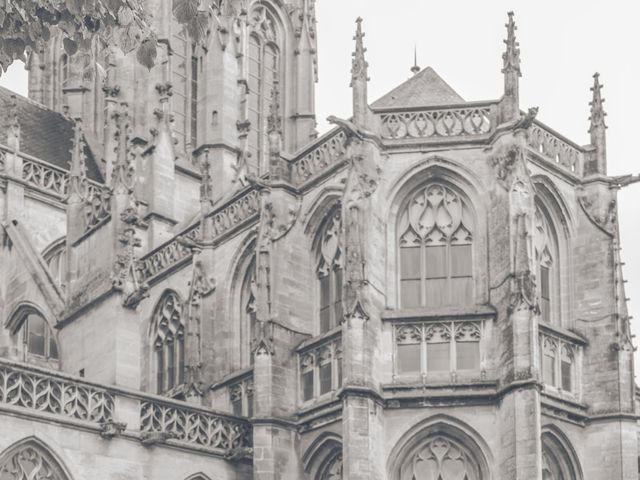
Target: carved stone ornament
pixel 239 453
pixel 125 274
pixel 110 429
pixel 600 211
pixel 263 342
pixel 280 211
pixel 505 166
pixel 201 284
pixel 149 439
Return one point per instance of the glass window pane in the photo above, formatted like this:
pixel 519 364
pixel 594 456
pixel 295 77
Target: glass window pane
pixel 544 282
pixel 180 347
pixel 325 291
pixel 36 325
pixel 467 355
pixel 409 263
pixel 461 291
pixel 410 293
pixel 170 376
pixel 438 357
pixel 548 369
pixel 53 347
pixel 437 293
pixel 545 310
pixel 461 265
pixel 307 385
pixel 566 370
pixel 337 306
pixel 250 404
pixel 160 370
pixel 408 358
pixel 339 372
pixel 325 320
pixel 236 406
pixel 325 378
pixel 436 262
pixel 36 344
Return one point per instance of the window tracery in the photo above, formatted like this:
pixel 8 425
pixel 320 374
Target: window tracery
pixel 435 249
pixel 329 272
pixel 440 458
pixel 546 259
pixel 333 469
pixel 321 370
pixel 168 343
pixel 264 71
pixel 558 363
pixel 29 462
pixel 556 462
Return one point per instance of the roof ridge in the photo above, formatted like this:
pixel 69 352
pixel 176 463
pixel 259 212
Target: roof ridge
pixel 31 101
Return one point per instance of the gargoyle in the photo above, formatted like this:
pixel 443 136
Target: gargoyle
pixel 526 120
pixel 351 129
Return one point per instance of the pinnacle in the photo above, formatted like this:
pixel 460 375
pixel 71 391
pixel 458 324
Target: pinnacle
pixel 511 56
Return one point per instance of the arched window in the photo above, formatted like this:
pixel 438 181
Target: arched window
pixel 30 461
pixel 168 342
pixel 440 458
pixel 32 331
pixel 546 258
pixel 64 71
pixel 55 257
pixel 332 469
pixel 264 70
pixel 558 364
pixel 435 234
pixel 329 271
pixel 248 312
pixel 557 462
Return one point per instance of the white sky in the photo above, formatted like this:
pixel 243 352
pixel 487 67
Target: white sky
pixel 562 44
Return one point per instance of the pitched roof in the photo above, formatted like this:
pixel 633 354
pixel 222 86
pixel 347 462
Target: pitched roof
pixel 425 88
pixel 44 134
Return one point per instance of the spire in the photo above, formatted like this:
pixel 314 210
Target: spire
pixel 415 69
pixel 511 71
pixel 359 78
pixel 597 127
pixel 78 172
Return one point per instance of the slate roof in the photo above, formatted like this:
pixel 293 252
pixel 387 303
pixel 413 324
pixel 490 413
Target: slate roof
pixel 44 134
pixel 425 88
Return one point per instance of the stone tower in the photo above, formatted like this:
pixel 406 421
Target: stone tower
pixel 195 285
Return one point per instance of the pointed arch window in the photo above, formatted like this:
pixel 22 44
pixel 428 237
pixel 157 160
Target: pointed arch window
pixel 35 335
pixel 558 364
pixel 546 259
pixel 440 458
pixel 329 271
pixel 557 464
pixel 332 470
pixel 168 342
pixel 435 249
pixel 248 311
pixel 29 461
pixel 264 71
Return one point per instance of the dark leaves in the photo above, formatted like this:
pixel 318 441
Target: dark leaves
pixel 147 53
pixel 185 11
pixel 70 46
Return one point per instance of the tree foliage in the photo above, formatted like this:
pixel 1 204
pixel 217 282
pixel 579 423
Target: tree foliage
pixel 28 25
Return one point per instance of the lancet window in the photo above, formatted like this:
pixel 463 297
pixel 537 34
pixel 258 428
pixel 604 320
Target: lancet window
pixel 546 258
pixel 432 348
pixel 168 342
pixel 329 271
pixel 29 462
pixel 558 363
pixel 440 458
pixel 556 462
pixel 264 71
pixel 248 312
pixel 435 249
pixel 332 470
pixel 321 370
pixel 37 338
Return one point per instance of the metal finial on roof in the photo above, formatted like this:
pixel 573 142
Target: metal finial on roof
pixel 415 69
pixel 359 64
pixel 511 57
pixel 597 110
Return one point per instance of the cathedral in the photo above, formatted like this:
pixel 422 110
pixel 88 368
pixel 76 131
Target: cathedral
pixel 196 285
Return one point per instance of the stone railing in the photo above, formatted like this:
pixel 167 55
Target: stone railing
pixel 556 148
pixel 41 392
pixel 438 123
pixel 321 156
pixel 232 214
pixel 49 395
pixel 45 177
pixel 194 426
pixel 166 255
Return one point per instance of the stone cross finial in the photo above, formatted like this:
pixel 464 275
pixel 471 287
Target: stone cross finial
pixel 597 127
pixel 511 57
pixel 78 183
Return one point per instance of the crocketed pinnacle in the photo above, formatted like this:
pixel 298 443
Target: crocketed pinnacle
pixel 78 169
pixel 359 64
pixel 511 57
pixel 597 110
pixel 122 169
pixel 274 121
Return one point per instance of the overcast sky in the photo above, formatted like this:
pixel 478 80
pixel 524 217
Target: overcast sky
pixel 562 44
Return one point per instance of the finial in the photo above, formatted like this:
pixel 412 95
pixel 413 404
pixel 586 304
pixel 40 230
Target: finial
pixel 415 69
pixel 77 172
pixel 359 64
pixel 274 121
pixel 597 129
pixel 511 57
pixel 597 110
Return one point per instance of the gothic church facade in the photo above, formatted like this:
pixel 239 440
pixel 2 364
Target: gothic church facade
pixel 196 285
